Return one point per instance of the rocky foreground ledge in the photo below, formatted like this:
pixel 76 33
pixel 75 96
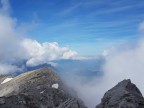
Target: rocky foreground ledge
pixel 41 88
pixel 124 95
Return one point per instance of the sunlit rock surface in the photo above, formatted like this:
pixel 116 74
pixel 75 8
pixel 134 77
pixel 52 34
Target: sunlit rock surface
pixel 40 88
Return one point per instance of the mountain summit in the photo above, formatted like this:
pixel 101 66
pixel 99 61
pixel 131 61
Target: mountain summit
pixel 124 95
pixel 41 88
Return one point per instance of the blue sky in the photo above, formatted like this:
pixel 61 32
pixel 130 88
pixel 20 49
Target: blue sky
pixel 86 26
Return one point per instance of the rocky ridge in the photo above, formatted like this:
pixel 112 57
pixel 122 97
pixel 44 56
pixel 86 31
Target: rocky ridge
pixel 41 88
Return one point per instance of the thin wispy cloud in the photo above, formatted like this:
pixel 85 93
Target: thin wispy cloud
pixel 69 10
pixel 116 8
pixel 91 19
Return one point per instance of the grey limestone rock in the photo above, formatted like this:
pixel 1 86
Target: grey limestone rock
pixel 35 89
pixel 124 95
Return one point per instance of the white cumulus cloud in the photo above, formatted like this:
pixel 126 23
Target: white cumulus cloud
pixel 45 52
pixel 15 47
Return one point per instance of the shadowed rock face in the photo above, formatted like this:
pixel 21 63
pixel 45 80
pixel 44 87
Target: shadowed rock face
pixel 123 95
pixel 35 89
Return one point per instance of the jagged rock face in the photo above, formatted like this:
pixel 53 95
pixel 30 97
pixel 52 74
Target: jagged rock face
pixel 40 88
pixel 123 95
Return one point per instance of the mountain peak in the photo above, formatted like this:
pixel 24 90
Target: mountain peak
pixel 40 88
pixel 28 80
pixel 124 95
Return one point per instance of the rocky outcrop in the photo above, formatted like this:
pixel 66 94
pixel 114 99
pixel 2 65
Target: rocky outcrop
pixel 123 95
pixel 40 88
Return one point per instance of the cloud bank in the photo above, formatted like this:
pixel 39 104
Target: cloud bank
pixel 120 62
pixel 16 48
